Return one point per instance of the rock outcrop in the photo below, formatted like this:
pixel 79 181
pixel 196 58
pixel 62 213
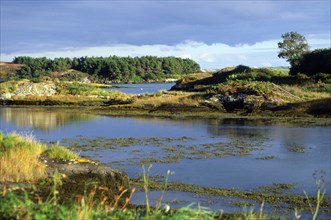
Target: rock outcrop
pixel 81 178
pixel 36 89
pixel 33 89
pixel 235 101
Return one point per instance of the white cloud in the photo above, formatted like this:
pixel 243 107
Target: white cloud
pixel 209 56
pixel 186 56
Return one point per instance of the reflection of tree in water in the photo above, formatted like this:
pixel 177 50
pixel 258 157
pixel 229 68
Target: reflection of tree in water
pixel 41 119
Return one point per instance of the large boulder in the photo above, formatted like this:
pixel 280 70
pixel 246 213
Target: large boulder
pixel 82 178
pixel 235 101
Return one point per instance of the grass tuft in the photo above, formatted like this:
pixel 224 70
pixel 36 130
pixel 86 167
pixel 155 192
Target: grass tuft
pixel 18 158
pixel 60 152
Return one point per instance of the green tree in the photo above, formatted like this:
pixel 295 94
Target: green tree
pixel 293 47
pixel 316 61
pixel 25 72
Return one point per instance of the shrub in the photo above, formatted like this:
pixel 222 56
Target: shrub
pixel 317 61
pixel 66 88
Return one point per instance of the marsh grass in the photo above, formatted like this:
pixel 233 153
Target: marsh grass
pixel 19 158
pixel 168 98
pixel 309 92
pixel 60 152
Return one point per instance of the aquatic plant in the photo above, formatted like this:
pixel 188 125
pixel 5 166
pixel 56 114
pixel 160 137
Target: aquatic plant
pixel 146 180
pixel 321 191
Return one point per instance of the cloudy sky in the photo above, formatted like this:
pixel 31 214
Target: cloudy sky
pixel 214 33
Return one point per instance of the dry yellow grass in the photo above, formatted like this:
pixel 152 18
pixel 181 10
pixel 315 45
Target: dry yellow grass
pixel 169 98
pixel 19 159
pixel 305 95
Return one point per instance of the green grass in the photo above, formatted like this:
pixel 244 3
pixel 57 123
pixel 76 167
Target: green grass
pixel 60 152
pixel 14 206
pixel 75 88
pixel 9 86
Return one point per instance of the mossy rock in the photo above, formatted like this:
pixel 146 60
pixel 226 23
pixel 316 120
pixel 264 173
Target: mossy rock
pixel 80 179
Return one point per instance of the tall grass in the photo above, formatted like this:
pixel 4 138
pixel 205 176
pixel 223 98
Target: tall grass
pixel 18 158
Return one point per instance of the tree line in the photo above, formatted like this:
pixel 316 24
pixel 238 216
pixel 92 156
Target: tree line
pixel 113 68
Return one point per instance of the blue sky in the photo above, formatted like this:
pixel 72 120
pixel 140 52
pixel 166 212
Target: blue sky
pixel 216 34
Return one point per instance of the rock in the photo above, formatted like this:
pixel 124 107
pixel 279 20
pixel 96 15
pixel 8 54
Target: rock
pixel 6 95
pixel 36 89
pixel 86 80
pixel 83 178
pixel 214 103
pixel 179 86
pixel 231 102
pixel 253 102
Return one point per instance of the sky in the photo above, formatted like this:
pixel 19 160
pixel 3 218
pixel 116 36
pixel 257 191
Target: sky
pixel 215 34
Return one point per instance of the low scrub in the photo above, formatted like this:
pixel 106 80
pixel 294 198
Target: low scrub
pixel 75 88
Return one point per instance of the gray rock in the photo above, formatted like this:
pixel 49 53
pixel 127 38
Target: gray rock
pixel 6 95
pixel 36 89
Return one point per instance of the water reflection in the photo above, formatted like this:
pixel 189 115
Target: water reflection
pixel 41 118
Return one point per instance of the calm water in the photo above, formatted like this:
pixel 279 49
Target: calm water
pixel 295 152
pixel 141 88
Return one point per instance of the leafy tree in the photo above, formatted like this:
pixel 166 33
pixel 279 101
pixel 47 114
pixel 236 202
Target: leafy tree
pixel 293 46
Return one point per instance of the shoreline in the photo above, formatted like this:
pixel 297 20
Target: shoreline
pixel 202 113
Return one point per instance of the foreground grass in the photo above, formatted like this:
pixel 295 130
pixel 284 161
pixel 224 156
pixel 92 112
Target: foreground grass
pixel 19 158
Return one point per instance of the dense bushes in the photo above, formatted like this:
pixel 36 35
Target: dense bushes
pixel 317 61
pixel 124 69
